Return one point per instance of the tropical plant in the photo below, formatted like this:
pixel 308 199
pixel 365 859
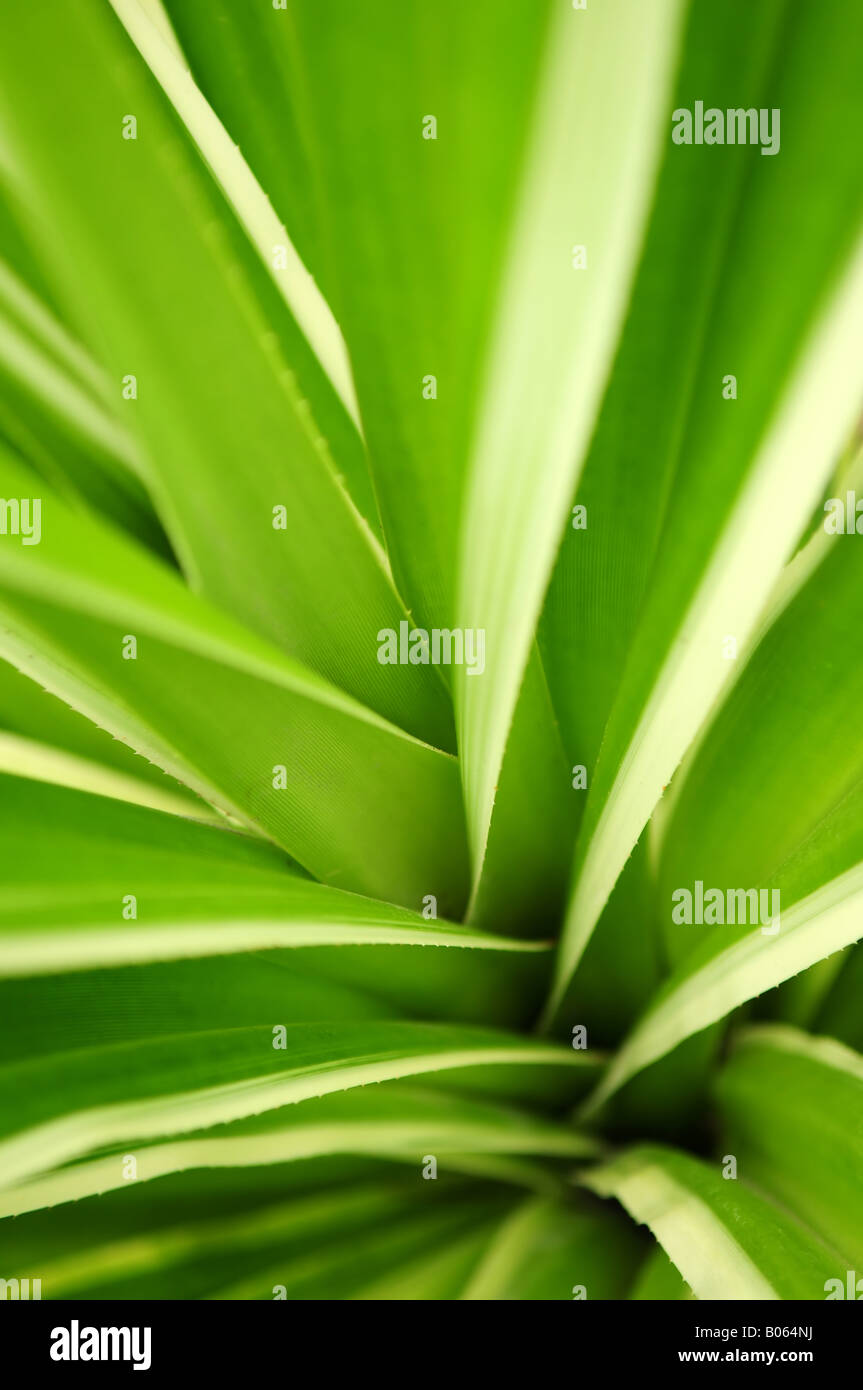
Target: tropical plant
pixel 326 328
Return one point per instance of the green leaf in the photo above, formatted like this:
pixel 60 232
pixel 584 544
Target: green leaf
pixel 603 571
pixel 404 294
pixel 149 28
pixel 441 1275
pixel 201 893
pixel 392 1121
pixel 60 1107
pixel 791 1109
pixel 413 299
pixel 198 892
pixel 69 606
pixel 523 873
pixel 222 417
pixel 195 1259
pixel 756 465
pixel 552 346
pixel 737 963
pixel 659 1281
pixel 56 410
pixel 548 1250
pixel 789 723
pixel 25 758
pixel 32 713
pixel 342 1270
pixel 727 1242
pixel 100 1251
pixel 840 1014
pixel 624 962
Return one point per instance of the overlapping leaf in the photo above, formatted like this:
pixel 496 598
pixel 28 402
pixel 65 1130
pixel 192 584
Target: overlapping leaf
pixel 755 465
pixel 200 684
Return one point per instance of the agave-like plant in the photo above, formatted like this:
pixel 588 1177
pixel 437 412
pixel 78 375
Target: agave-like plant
pixel 429 594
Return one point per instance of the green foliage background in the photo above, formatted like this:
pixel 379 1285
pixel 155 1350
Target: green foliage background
pixel 236 250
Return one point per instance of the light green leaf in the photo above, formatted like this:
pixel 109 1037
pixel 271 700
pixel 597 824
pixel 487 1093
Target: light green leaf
pixel 754 471
pixel 25 758
pixel 745 565
pixel 553 342
pixel 392 1122
pixel 547 1250
pixel 342 1269
pixel 196 1256
pixel 425 219
pixel 149 28
pixel 790 723
pixel 199 893
pixel 60 1107
pixel 727 1242
pixel 415 301
pixel 791 1109
pixel 32 713
pixel 840 1014
pixel 55 411
pixel 603 570
pixel 69 606
pixel 737 963
pixel 522 876
pixel 226 423
pixel 441 1275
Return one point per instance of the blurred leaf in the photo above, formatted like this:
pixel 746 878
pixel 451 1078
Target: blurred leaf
pixel 223 710
pixel 790 723
pixel 756 465
pixel 738 962
pixel 554 338
pixel 659 1281
pixel 726 1241
pixel 25 758
pixel 57 1108
pixel 198 892
pixel 413 299
pixel 840 1014
pixel 546 1250
pixel 55 409
pixel 791 1110
pixel 225 426
pixel 639 450
pixel 392 1122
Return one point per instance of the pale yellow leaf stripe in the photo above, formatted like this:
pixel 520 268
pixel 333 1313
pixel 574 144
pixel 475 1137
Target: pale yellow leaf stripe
pixel 44 1146
pixel 587 183
pixel 827 920
pixel 398 1140
pixel 24 757
pixel 827 1052
pixel 792 580
pixel 792 466
pixel 697 1242
pixel 151 32
pixel 49 950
